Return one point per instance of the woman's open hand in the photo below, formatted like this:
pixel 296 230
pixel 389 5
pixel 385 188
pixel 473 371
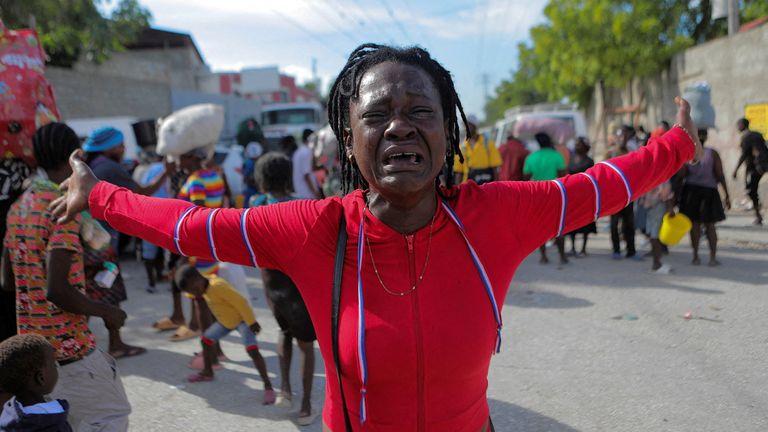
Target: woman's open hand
pixel 683 119
pixel 76 190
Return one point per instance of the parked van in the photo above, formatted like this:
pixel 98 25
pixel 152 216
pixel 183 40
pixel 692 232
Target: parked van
pixel 569 114
pixel 279 120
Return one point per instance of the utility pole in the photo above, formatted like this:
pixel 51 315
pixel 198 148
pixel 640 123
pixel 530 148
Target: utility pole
pixel 733 17
pixel 486 79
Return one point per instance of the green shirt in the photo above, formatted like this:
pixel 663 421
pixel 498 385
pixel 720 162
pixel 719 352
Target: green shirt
pixel 544 164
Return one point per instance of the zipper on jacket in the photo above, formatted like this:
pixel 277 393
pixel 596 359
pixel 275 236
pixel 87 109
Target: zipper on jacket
pixel 421 421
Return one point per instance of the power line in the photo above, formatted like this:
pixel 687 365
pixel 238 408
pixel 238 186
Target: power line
pixel 412 15
pixel 374 22
pixel 394 18
pixel 314 37
pixel 323 14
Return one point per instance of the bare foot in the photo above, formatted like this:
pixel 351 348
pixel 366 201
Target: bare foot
pixel 696 261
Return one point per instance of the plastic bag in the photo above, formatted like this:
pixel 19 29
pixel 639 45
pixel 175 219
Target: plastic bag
pixel 699 95
pixel 190 128
pixel 26 97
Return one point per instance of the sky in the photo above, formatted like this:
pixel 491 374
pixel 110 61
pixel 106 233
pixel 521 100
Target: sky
pixel 471 38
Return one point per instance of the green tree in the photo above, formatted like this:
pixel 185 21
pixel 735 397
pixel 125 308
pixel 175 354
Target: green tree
pixel 583 42
pixel 74 29
pixel 520 90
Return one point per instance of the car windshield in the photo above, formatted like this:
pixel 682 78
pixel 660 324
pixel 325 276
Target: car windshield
pixel 288 116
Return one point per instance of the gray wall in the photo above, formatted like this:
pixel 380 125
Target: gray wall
pixel 735 67
pixel 87 94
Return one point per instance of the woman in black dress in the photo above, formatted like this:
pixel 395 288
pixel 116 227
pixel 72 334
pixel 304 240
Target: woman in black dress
pixel 580 162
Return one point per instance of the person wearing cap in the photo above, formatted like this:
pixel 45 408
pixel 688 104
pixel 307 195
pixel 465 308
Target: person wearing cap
pixel 105 149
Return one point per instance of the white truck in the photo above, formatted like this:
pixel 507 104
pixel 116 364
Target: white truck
pixel 513 117
pixel 281 119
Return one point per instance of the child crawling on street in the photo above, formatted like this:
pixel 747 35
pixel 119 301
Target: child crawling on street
pixel 231 311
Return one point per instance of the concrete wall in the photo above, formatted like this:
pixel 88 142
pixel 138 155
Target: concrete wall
pixel 735 67
pixel 82 94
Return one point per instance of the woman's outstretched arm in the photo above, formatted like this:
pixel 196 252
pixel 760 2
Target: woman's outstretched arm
pixel 242 236
pixel 568 203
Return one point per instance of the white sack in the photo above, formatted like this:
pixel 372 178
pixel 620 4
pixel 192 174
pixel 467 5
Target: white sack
pixel 190 128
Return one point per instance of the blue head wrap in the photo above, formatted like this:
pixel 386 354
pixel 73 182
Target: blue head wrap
pixel 103 139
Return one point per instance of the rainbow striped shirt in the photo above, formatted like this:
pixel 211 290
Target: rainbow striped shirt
pixel 204 185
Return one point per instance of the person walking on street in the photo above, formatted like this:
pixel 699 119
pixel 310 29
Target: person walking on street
pixel 273 174
pixel 513 154
pixel 302 162
pixel 580 162
pixel 700 199
pixel 546 164
pixel 43 262
pixel 625 216
pixel 754 156
pixel 395 358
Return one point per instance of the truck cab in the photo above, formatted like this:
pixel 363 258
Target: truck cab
pixel 279 120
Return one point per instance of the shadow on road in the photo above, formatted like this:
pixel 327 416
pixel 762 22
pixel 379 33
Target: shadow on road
pixel 511 417
pixel 229 392
pixel 545 300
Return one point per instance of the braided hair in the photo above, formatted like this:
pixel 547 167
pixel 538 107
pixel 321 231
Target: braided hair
pixel 347 86
pixel 53 143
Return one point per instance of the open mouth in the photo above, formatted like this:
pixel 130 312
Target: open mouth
pixel 403 158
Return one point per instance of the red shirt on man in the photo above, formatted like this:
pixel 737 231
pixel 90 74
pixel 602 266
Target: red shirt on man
pixel 513 154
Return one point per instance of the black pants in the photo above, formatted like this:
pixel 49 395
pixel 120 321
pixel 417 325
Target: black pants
pixel 752 182
pixel 627 218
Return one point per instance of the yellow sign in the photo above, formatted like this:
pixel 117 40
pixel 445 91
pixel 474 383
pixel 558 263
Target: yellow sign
pixel 757 114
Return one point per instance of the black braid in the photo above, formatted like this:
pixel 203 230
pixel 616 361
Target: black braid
pixel 53 143
pixel 347 86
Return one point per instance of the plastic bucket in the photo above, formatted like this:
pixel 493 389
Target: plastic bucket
pixel 674 228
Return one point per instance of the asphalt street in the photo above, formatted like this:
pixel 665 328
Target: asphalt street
pixel 597 345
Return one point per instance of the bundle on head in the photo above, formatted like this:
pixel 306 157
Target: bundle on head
pixel 347 86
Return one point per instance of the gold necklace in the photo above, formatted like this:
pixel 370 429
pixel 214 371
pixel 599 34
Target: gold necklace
pixel 424 269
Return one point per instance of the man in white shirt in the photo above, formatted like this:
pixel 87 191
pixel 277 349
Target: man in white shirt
pixel 304 183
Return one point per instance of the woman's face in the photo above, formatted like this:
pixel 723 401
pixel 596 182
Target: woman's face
pixel 397 133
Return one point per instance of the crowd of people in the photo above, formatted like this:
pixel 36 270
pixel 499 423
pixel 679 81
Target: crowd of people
pixel 56 275
pixel 404 207
pixel 693 190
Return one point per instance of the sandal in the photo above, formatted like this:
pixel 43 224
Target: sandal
pixel 165 324
pixel 269 397
pixel 283 401
pixel 184 333
pixel 307 419
pixel 198 378
pixel 127 351
pixel 198 363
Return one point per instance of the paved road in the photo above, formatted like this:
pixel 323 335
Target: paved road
pixel 567 363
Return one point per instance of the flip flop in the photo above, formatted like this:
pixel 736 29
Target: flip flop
pixel 184 333
pixel 269 397
pixel 284 401
pixel 198 363
pixel 306 420
pixel 197 378
pixel 129 351
pixel 165 324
